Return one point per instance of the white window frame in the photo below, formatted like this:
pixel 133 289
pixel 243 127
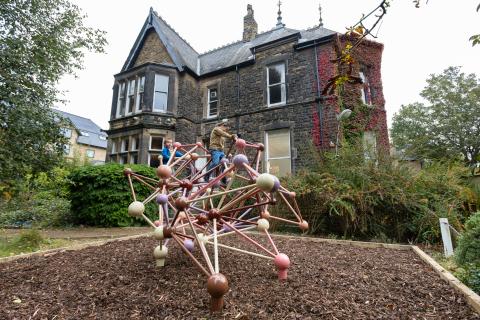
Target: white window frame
pixel 132 157
pixel 134 143
pixel 162 92
pixel 120 98
pixel 122 145
pixel 365 86
pixel 209 116
pixel 282 83
pixel 67 132
pixel 87 152
pixel 267 156
pixel 131 94
pixel 114 147
pixel 140 91
pixel 66 149
pixel 150 144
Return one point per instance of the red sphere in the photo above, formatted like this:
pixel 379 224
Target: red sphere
pixel 217 285
pixel 186 184
pixel 157 223
pixel 181 203
pixel 177 145
pixel 282 261
pixel 213 214
pixel 127 171
pixel 199 144
pixel 164 171
pixel 303 225
pixel 202 219
pixel 260 146
pixel 194 156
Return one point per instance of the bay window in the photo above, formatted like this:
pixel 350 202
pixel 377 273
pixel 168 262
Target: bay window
pixel 160 97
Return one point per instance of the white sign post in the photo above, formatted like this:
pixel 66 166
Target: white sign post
pixel 446 237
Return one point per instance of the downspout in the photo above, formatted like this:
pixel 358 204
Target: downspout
pixel 319 106
pixel 237 118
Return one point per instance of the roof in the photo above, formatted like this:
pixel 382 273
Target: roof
pixel 183 55
pixel 89 127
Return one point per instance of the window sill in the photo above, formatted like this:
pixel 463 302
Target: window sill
pixel 279 104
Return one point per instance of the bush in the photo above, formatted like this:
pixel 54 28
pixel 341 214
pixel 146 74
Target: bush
pixel 380 199
pixel 100 195
pixel 468 248
pixel 469 274
pixel 42 202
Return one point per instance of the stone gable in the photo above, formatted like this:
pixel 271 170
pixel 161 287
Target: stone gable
pixel 153 51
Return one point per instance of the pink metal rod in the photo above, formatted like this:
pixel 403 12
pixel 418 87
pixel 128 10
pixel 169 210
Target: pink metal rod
pixel 197 263
pixel 271 242
pixel 247 238
pixel 211 183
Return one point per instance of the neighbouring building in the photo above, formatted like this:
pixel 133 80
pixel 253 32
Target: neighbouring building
pixel 86 139
pixel 269 85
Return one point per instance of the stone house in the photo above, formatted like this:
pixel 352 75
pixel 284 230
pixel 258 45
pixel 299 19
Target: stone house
pixel 86 139
pixel 268 85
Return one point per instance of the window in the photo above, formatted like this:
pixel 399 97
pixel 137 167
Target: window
pixel 212 109
pixel 102 138
pixel 66 149
pixel 134 158
pixel 121 99
pixel 278 152
pixel 370 145
pixel 161 93
pixel 84 133
pixel 124 146
pixel 156 145
pixel 114 146
pixel 90 153
pixel 365 92
pixel 134 143
pixel 131 96
pixel 276 90
pixel 67 133
pixel 140 90
pixel 123 159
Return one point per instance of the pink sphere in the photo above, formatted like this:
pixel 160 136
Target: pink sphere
pixel 177 144
pixel 157 223
pixel 240 143
pixel 188 243
pixel 199 144
pixel 282 261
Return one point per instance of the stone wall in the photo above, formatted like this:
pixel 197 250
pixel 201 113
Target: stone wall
pixel 152 51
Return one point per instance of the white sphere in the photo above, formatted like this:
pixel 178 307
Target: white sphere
pixel 158 233
pixel 160 253
pixel 263 225
pixel 136 209
pixel 202 238
pixel 265 182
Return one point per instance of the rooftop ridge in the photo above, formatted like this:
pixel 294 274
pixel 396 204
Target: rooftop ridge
pixel 183 39
pixel 235 42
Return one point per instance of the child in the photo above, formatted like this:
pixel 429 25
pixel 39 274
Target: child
pixel 166 151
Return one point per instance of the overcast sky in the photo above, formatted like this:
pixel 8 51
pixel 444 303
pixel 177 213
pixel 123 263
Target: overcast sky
pixel 418 42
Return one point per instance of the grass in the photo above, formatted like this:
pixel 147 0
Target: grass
pixel 31 241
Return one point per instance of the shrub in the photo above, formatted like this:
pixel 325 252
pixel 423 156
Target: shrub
pixel 378 198
pixel 100 195
pixel 468 248
pixel 42 202
pixel 469 274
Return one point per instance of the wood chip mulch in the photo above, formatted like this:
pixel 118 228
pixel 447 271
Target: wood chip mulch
pixel 119 280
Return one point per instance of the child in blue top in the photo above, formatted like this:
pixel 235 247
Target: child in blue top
pixel 166 151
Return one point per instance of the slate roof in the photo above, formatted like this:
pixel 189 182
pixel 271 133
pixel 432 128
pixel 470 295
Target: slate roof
pixel 86 125
pixel 183 55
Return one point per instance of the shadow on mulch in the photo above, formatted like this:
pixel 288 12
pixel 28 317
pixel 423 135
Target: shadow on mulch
pixel 119 280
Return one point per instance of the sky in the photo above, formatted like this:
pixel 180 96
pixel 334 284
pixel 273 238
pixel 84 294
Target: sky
pixel 417 42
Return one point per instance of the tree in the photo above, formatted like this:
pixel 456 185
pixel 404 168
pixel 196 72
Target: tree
pixel 40 41
pixel 448 125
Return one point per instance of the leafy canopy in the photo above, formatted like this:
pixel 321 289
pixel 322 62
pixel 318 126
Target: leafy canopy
pixel 40 41
pixel 447 126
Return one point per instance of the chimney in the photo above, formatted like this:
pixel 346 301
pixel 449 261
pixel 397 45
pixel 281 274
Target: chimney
pixel 250 27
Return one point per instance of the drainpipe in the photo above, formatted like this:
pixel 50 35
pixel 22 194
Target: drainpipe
pixel 319 106
pixel 237 118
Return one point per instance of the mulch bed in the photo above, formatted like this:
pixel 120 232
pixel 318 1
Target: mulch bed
pixel 119 280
